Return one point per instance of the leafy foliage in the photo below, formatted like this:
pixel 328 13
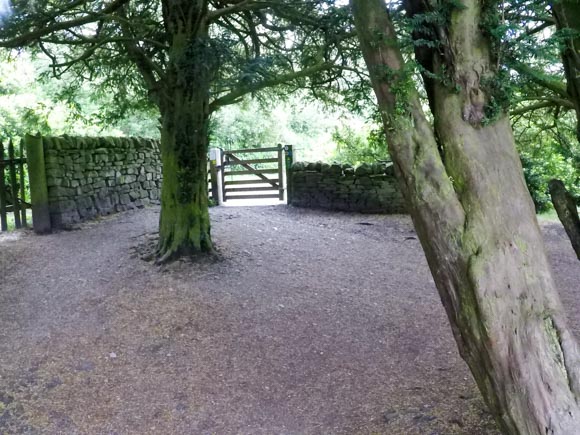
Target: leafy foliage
pixel 360 144
pixel 20 110
pixel 29 104
pixel 548 149
pixel 308 127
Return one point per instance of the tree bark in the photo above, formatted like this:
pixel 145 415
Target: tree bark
pixel 464 186
pixel 184 227
pixel 565 206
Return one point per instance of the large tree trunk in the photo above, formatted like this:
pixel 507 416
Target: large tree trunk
pixel 464 186
pixel 184 227
pixel 565 205
pixel 567 16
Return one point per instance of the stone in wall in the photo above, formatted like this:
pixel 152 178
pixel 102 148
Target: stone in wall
pixel 367 188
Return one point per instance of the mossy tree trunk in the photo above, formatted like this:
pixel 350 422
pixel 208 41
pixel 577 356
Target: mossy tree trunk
pixel 184 227
pixel 463 183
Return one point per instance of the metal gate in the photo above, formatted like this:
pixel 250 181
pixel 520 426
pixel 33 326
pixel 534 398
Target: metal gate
pixel 255 173
pixel 13 187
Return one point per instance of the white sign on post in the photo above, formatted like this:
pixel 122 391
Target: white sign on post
pixel 213 155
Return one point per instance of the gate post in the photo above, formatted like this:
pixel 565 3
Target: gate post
pixel 213 158
pixel 38 185
pixel 3 213
pixel 14 184
pixel 22 184
pixel 281 172
pixel 223 197
pixel 289 159
pixel 220 173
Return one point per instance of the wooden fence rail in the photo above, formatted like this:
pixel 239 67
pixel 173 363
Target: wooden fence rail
pixel 13 185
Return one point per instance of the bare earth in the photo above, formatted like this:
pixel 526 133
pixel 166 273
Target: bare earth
pixel 312 323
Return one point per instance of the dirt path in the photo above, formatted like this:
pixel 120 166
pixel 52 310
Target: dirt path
pixel 314 323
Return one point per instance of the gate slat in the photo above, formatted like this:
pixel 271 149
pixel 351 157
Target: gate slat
pixel 249 189
pixel 3 219
pixel 229 183
pixel 252 196
pixel 251 150
pixel 254 172
pixel 12 168
pixel 251 162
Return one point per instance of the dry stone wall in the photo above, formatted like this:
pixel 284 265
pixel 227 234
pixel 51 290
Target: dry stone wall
pixel 87 177
pixel 366 188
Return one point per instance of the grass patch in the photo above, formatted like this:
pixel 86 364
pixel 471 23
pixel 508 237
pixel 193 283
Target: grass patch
pixel 10 220
pixel 549 216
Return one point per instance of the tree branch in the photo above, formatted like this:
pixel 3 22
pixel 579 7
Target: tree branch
pixel 144 64
pixel 243 5
pixel 30 37
pixel 235 95
pixel 541 79
pixel 535 30
pixel 553 102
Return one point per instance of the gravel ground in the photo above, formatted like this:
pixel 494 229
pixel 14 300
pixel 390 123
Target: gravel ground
pixel 310 323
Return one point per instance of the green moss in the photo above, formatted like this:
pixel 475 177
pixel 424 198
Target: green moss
pixel 554 341
pixel 382 39
pixel 458 184
pixel 521 244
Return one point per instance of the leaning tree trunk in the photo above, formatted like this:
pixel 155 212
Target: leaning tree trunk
pixel 466 194
pixel 565 205
pixel 184 226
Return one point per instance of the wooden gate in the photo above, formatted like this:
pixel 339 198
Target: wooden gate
pixel 12 186
pixel 255 173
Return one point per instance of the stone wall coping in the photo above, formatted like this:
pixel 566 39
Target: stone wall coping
pixel 66 142
pixel 345 169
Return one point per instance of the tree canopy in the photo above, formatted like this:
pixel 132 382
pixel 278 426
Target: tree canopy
pixel 124 45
